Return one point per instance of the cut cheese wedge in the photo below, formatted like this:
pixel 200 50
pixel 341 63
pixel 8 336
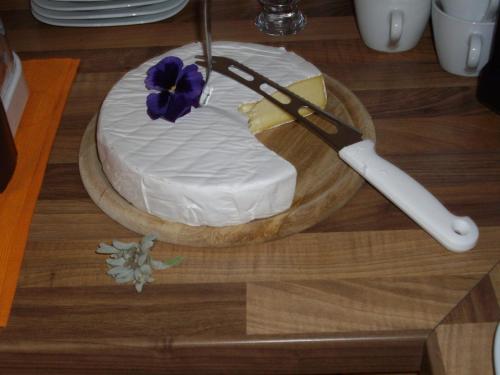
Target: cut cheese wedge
pixel 263 115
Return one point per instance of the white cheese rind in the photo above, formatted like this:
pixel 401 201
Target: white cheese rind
pixel 207 168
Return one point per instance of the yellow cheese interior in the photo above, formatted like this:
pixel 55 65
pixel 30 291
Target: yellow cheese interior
pixel 263 115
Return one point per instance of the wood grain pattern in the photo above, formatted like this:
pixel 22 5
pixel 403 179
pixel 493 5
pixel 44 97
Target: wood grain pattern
pixel 466 348
pixel 193 319
pixel 51 261
pixel 362 305
pixel 463 342
pixel 375 354
pixel 480 305
pixel 27 39
pixel 495 281
pixel 432 363
pixel 324 182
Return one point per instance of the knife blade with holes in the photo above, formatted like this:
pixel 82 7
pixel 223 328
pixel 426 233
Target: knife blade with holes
pixel 455 233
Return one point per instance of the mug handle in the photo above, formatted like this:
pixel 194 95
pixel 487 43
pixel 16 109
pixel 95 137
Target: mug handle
pixel 396 20
pixel 491 11
pixel 474 53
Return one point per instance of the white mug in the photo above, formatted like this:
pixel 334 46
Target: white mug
pixel 472 10
pixel 392 25
pixel 463 47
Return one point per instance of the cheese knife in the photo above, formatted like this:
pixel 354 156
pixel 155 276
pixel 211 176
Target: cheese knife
pixel 208 39
pixel 207 49
pixel 457 234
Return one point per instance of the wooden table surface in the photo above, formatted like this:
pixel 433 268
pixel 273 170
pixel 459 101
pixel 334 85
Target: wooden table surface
pixel 361 291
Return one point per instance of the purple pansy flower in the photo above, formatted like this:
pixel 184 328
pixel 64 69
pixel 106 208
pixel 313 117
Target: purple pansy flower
pixel 180 89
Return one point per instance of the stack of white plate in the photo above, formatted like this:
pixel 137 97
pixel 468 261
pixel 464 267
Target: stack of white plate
pixel 92 13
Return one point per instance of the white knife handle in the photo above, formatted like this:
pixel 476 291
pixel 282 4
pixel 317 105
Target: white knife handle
pixel 457 234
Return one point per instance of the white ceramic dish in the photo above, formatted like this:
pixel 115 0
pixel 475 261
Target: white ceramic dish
pixel 80 1
pixel 93 5
pixel 119 21
pixel 106 13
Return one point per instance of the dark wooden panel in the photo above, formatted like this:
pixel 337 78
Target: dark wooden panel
pixel 373 353
pixel 62 181
pixel 421 102
pixel 41 314
pixel 432 362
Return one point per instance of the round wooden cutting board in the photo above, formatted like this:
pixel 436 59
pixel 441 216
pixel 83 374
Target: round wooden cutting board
pixel 324 183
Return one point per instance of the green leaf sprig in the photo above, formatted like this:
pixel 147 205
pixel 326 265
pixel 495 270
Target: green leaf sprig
pixel 132 262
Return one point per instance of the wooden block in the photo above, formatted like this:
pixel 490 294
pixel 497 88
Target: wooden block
pixel 432 362
pixel 352 305
pixel 328 256
pixel 480 305
pixel 70 313
pixel 466 349
pixel 495 281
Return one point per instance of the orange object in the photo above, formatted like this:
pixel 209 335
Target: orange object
pixel 49 83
